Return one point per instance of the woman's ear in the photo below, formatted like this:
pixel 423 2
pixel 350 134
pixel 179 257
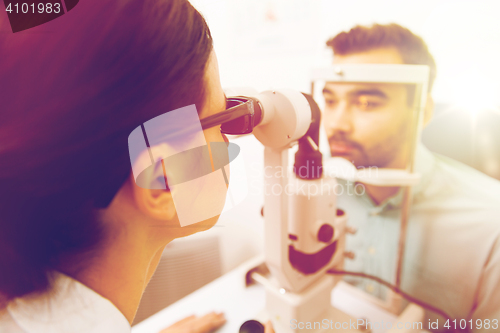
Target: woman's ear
pixel 155 203
pixel 429 110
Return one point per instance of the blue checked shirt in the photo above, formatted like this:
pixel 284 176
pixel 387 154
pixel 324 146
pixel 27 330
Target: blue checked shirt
pixel 452 257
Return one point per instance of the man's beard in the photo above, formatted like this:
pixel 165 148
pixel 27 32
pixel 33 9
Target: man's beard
pixel 341 146
pixel 377 156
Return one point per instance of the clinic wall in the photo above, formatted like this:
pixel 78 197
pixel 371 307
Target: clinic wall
pixel 274 43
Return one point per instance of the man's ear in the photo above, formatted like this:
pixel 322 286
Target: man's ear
pixel 429 110
pixel 155 203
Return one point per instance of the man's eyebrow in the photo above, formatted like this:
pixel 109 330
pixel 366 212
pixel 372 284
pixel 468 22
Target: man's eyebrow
pixel 369 92
pixel 328 91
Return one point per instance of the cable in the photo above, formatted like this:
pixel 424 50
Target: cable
pixel 395 289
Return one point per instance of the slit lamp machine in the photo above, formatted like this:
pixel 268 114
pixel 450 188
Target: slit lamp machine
pixel 305 233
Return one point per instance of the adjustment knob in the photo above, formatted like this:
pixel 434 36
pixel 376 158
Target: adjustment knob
pixel 351 230
pixel 349 255
pixel 252 326
pixel 325 233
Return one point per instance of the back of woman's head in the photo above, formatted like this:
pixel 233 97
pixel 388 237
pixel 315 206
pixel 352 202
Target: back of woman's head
pixel 71 92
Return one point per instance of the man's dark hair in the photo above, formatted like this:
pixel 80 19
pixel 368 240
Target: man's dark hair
pixel 411 47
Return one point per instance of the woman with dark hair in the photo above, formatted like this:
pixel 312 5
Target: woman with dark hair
pixel 79 240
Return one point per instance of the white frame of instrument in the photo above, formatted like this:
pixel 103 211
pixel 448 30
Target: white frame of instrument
pixel 417 75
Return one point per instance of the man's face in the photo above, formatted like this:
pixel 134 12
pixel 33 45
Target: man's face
pixel 367 123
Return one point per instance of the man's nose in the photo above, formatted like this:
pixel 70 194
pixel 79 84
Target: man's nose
pixel 340 120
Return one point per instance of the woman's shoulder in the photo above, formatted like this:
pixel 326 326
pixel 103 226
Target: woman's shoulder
pixel 69 306
pixel 8 324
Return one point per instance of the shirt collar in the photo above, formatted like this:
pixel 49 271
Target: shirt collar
pixel 424 166
pixel 425 163
pixel 70 306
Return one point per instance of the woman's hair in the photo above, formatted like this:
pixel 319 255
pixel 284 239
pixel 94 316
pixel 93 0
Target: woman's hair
pixel 72 91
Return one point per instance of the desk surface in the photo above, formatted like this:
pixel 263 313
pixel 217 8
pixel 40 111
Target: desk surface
pixel 239 303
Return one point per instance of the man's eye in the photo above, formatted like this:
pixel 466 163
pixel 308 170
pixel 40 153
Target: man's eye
pixel 365 104
pixel 330 102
